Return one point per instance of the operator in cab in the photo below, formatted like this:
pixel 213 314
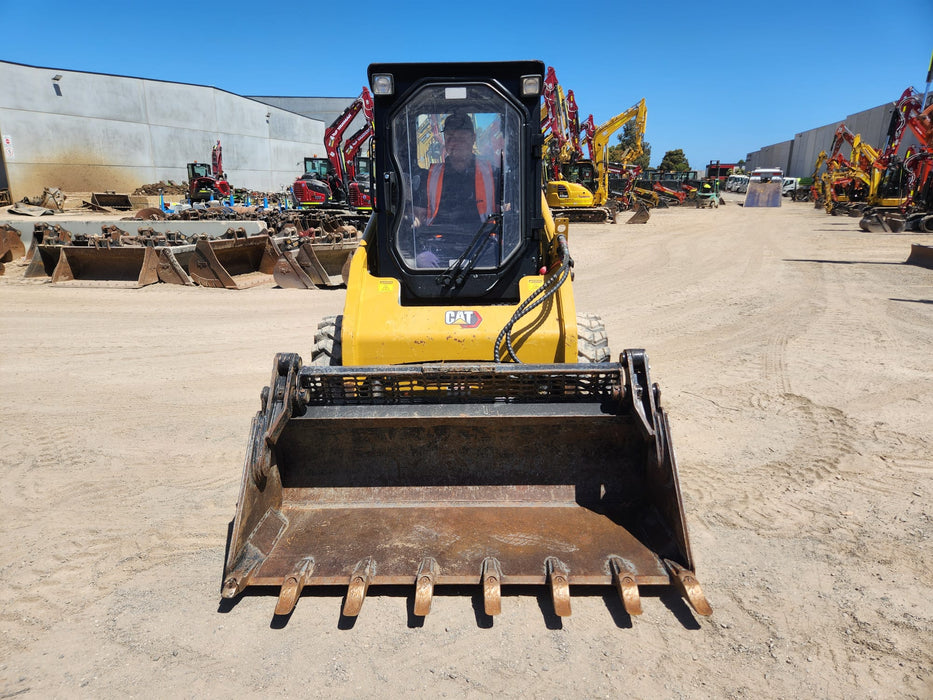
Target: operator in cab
pixel 459 193
pixel 455 161
pixel 461 190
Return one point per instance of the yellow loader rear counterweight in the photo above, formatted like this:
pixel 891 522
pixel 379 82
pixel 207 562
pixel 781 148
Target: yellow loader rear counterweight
pixel 460 422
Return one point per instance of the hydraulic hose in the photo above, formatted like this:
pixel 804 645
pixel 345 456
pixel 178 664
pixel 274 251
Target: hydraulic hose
pixel 535 299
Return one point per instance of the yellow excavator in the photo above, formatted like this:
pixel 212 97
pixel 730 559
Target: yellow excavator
pixel 564 189
pixel 582 191
pixel 890 195
pixel 846 182
pixel 461 422
pixel 598 146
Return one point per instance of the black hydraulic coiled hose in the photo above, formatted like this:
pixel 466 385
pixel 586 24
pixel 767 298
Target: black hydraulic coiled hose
pixel 535 299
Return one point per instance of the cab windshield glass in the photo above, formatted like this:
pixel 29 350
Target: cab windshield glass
pixel 457 150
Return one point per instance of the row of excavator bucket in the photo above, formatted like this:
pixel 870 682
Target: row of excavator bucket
pixel 235 261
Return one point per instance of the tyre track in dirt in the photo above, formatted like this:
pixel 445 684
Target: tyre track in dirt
pixel 800 406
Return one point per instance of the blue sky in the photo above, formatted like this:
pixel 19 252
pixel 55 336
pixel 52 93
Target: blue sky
pixel 720 79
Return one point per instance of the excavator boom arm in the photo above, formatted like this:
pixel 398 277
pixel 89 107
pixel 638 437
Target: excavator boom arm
pixel 333 135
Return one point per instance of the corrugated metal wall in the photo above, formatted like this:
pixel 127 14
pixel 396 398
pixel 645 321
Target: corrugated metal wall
pixel 93 132
pixel 799 154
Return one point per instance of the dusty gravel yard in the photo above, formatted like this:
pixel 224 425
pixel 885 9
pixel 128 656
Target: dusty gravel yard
pixel 794 356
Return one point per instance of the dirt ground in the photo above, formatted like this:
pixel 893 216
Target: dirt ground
pixel 793 352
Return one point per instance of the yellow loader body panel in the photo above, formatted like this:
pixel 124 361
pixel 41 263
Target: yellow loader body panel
pixel 379 330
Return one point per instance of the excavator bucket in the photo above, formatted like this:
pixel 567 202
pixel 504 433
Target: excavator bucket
pixel 43 261
pixel 315 265
pixel 875 221
pixel 173 264
pixel 119 266
pixel 11 244
pixel 43 234
pixel 484 474
pixel 234 263
pixel 763 194
pixel 111 200
pixel 921 255
pixel 640 216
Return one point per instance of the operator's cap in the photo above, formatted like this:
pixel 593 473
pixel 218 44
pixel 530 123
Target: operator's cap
pixel 459 122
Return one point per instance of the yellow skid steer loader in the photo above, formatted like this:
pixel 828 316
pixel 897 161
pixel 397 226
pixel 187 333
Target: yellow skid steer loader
pixel 460 422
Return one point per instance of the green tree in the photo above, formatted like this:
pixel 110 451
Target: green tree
pixel 674 161
pixel 627 140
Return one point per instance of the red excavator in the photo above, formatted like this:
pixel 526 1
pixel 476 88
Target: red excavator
pixel 208 181
pixel 358 170
pixel 333 172
pixel 314 188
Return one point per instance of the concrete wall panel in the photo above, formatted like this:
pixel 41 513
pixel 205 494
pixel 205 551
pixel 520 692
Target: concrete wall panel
pixel 240 115
pixel 774 156
pixel 116 133
pixel 173 148
pixel 246 153
pixel 81 94
pixel 326 109
pixel 50 138
pixel 872 124
pixel 180 106
pixel 807 146
pixel 286 126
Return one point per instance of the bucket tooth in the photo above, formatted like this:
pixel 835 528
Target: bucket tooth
pixel 424 586
pixel 253 553
pixel 359 582
pixel 686 582
pixel 492 586
pixel 624 580
pixel 559 582
pixel 293 585
pixel 238 580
